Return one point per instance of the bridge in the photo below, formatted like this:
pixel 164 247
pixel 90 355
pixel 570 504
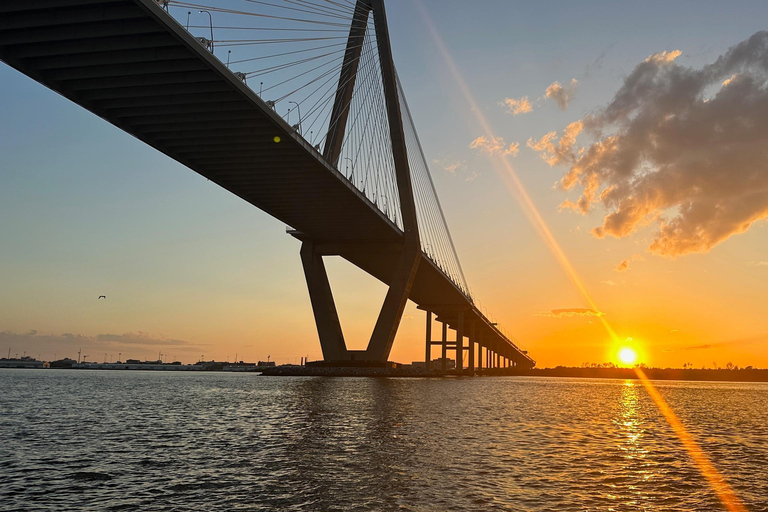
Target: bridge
pixel 349 176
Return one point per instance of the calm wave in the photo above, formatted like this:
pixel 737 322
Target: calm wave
pixel 110 440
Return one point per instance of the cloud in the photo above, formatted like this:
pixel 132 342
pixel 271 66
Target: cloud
pixel 457 168
pixel 139 338
pixel 731 79
pixel 762 263
pixel 67 344
pixel 609 283
pixel 555 151
pixel 666 153
pixel 595 65
pixel 663 57
pixel 495 146
pixel 451 166
pixel 751 340
pixel 516 107
pixel 561 95
pixel 568 312
pixel 624 265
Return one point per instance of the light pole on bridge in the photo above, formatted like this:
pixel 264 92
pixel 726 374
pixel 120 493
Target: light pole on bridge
pixel 297 126
pixel 211 20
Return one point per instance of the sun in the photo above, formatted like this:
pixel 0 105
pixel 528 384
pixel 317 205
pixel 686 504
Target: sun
pixel 627 356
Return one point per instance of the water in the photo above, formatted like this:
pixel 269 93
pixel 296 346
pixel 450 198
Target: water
pixel 110 440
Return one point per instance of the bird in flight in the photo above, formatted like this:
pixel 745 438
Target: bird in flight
pixel 102 296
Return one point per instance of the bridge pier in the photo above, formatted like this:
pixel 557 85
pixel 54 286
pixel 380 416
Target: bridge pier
pixel 480 353
pixel 443 363
pixel 471 350
pixel 320 295
pixel 428 348
pixel 460 343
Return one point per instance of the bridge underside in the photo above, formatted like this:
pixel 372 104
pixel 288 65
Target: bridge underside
pixel 131 64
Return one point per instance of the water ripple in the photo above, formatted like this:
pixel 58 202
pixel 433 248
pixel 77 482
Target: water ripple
pixel 167 442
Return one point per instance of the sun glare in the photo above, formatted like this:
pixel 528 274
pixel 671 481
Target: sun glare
pixel 627 356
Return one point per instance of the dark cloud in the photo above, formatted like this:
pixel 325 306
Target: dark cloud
pixel 685 149
pixel 34 342
pixel 760 339
pixel 139 338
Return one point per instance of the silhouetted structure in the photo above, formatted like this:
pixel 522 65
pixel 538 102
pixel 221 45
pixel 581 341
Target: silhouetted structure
pixel 131 63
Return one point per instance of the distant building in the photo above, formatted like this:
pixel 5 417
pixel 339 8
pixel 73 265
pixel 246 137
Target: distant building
pixel 63 363
pixel 23 362
pixel 266 363
pixel 239 367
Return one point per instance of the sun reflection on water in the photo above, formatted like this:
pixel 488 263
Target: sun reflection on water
pixel 630 423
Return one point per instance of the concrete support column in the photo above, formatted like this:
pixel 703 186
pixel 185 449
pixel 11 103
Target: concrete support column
pixel 445 346
pixel 471 351
pixel 460 343
pixel 320 295
pixel 428 347
pixel 480 352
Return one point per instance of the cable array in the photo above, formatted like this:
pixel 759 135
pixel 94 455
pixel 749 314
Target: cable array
pixel 291 53
pixel 436 241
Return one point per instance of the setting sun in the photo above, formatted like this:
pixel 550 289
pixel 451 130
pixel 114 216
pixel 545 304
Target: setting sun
pixel 627 356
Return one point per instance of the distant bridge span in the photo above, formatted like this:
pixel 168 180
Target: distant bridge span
pixel 135 66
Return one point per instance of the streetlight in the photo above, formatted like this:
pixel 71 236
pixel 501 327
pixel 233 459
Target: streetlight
pixel 298 126
pixel 353 167
pixel 211 19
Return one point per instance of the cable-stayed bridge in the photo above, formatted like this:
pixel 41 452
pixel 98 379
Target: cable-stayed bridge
pixel 294 106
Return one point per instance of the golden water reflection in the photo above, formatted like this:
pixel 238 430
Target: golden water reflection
pixel 629 422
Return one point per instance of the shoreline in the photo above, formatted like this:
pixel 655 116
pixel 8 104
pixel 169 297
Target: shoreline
pixel 678 374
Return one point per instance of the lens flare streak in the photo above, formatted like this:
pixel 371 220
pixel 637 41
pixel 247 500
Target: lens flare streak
pixel 516 187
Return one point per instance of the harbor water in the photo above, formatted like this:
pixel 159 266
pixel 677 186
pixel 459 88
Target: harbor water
pixel 140 440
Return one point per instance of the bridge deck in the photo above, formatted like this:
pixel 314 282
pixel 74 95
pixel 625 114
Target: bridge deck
pixel 130 63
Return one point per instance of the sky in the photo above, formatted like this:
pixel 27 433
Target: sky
pixel 638 132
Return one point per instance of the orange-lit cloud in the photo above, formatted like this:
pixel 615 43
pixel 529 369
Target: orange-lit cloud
pixel 663 57
pixel 731 79
pixel 561 95
pixel 457 168
pixel 517 106
pixel 495 146
pixel 555 151
pixel 624 265
pixel 667 154
pixel 568 312
pixel 451 166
